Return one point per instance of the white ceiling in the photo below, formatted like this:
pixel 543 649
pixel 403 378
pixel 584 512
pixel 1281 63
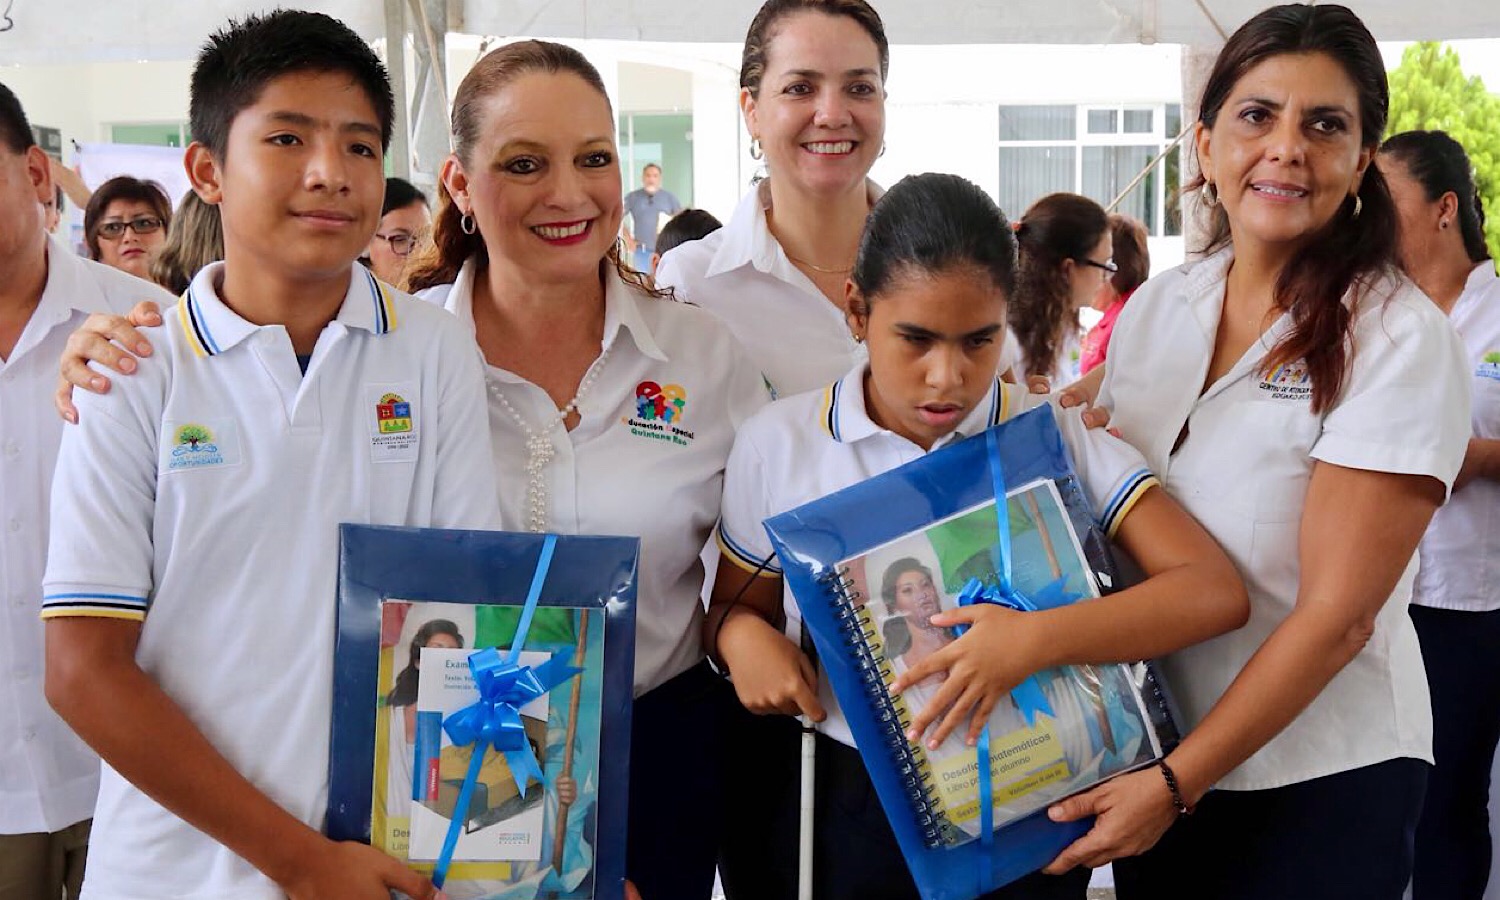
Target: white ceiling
pixel 72 31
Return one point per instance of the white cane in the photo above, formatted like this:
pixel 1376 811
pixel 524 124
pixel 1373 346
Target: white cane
pixel 809 777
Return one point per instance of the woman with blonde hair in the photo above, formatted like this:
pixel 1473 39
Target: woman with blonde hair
pixel 194 239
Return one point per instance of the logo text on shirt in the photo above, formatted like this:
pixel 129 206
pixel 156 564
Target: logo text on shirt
pixel 659 412
pixel 1489 366
pixel 1288 381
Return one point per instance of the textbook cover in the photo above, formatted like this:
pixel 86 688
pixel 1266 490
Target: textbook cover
pixel 420 613
pixel 870 564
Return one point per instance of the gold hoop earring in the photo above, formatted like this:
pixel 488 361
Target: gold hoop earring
pixel 1208 194
pixel 755 151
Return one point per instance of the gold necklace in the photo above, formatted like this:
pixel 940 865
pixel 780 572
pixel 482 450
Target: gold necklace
pixel 817 268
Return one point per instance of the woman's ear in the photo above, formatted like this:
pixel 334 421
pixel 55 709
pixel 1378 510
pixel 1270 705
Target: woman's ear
pixel 456 182
pixel 1448 207
pixel 856 311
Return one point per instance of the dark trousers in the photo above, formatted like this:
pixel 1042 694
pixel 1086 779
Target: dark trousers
pixel 855 854
pixel 676 786
pixel 1346 836
pixel 1453 836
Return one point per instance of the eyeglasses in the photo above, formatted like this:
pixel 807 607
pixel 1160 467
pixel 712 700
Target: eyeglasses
pixel 402 242
pixel 1108 266
pixel 113 231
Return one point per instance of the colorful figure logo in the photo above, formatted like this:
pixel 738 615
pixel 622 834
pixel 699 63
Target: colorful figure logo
pixel 393 414
pixel 1290 373
pixel 196 438
pixel 653 402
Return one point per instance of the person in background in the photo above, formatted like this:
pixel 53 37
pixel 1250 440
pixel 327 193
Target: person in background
pixel 1132 267
pixel 688 225
pixel 1456 602
pixel 1064 259
pixel 126 223
pixel 646 205
pixel 48 776
pixel 52 211
pixel 194 239
pixel 1306 403
pixel 405 223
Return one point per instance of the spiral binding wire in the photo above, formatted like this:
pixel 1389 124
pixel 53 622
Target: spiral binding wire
pixel 859 633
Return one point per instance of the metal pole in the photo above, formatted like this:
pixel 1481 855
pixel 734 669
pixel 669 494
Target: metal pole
pixel 809 781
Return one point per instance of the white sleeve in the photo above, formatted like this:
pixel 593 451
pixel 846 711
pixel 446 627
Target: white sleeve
pixel 464 492
pixel 746 505
pixel 668 275
pixel 1114 475
pixel 748 388
pixel 1406 404
pixel 100 551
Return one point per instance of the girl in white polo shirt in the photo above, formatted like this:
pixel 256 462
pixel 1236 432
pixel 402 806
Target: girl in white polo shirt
pixel 928 294
pixel 1310 407
pixel 1456 600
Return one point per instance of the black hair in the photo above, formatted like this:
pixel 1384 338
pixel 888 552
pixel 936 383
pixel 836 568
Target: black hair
pixel 404 691
pixel 688 225
pixel 1349 251
pixel 1440 165
pixel 934 223
pixel 399 194
pixel 893 574
pixel 123 187
pixel 237 63
pixel 15 130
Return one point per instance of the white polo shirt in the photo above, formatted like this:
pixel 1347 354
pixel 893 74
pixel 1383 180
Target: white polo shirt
pixel 628 468
pixel 808 446
pixel 1242 471
pixel 48 777
pixel 740 274
pixel 203 496
pixel 1460 554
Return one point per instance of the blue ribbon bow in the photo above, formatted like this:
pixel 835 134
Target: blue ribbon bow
pixel 1027 695
pixel 495 720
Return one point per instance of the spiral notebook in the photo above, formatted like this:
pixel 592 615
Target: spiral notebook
pixel 870 565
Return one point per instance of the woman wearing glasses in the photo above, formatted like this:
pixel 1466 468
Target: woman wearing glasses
pixel 405 221
pixel 126 222
pixel 1065 249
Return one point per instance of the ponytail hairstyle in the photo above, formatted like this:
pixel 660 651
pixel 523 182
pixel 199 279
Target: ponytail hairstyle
pixel 492 74
pixel 1132 254
pixel 1056 228
pixel 932 223
pixel 404 691
pixel 1349 252
pixel 1439 164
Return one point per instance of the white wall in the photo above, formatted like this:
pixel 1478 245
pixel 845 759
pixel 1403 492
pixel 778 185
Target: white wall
pixel 83 100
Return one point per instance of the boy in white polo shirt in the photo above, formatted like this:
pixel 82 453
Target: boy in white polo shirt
pixel 190 590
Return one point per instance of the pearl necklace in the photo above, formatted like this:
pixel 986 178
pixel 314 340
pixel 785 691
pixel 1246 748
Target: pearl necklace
pixel 539 447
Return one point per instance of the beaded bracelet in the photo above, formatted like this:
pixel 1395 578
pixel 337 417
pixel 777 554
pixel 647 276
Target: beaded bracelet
pixel 1178 803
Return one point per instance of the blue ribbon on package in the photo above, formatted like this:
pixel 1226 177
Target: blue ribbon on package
pixel 495 720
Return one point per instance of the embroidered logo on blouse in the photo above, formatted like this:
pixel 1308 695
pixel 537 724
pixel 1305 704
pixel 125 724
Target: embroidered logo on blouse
pixel 659 413
pixel 1288 381
pixel 197 445
pixel 1489 366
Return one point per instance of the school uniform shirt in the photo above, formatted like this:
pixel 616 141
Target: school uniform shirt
pixel 202 497
pixel 1460 554
pixel 1250 442
pixel 647 457
pixel 808 446
pixel 739 273
pixel 48 776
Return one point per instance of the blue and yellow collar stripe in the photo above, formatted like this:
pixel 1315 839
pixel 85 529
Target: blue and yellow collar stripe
pixel 1124 498
pixel 194 327
pixel 828 415
pixel 385 307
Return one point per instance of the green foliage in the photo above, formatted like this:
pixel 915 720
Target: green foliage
pixel 1429 92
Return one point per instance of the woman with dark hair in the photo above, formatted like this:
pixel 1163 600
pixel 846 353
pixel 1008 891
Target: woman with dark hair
pixel 1308 405
pixel 1132 267
pixel 1065 253
pixel 927 294
pixel 812 93
pixel 911 600
pixel 126 222
pixel 1456 601
pixel 404 223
